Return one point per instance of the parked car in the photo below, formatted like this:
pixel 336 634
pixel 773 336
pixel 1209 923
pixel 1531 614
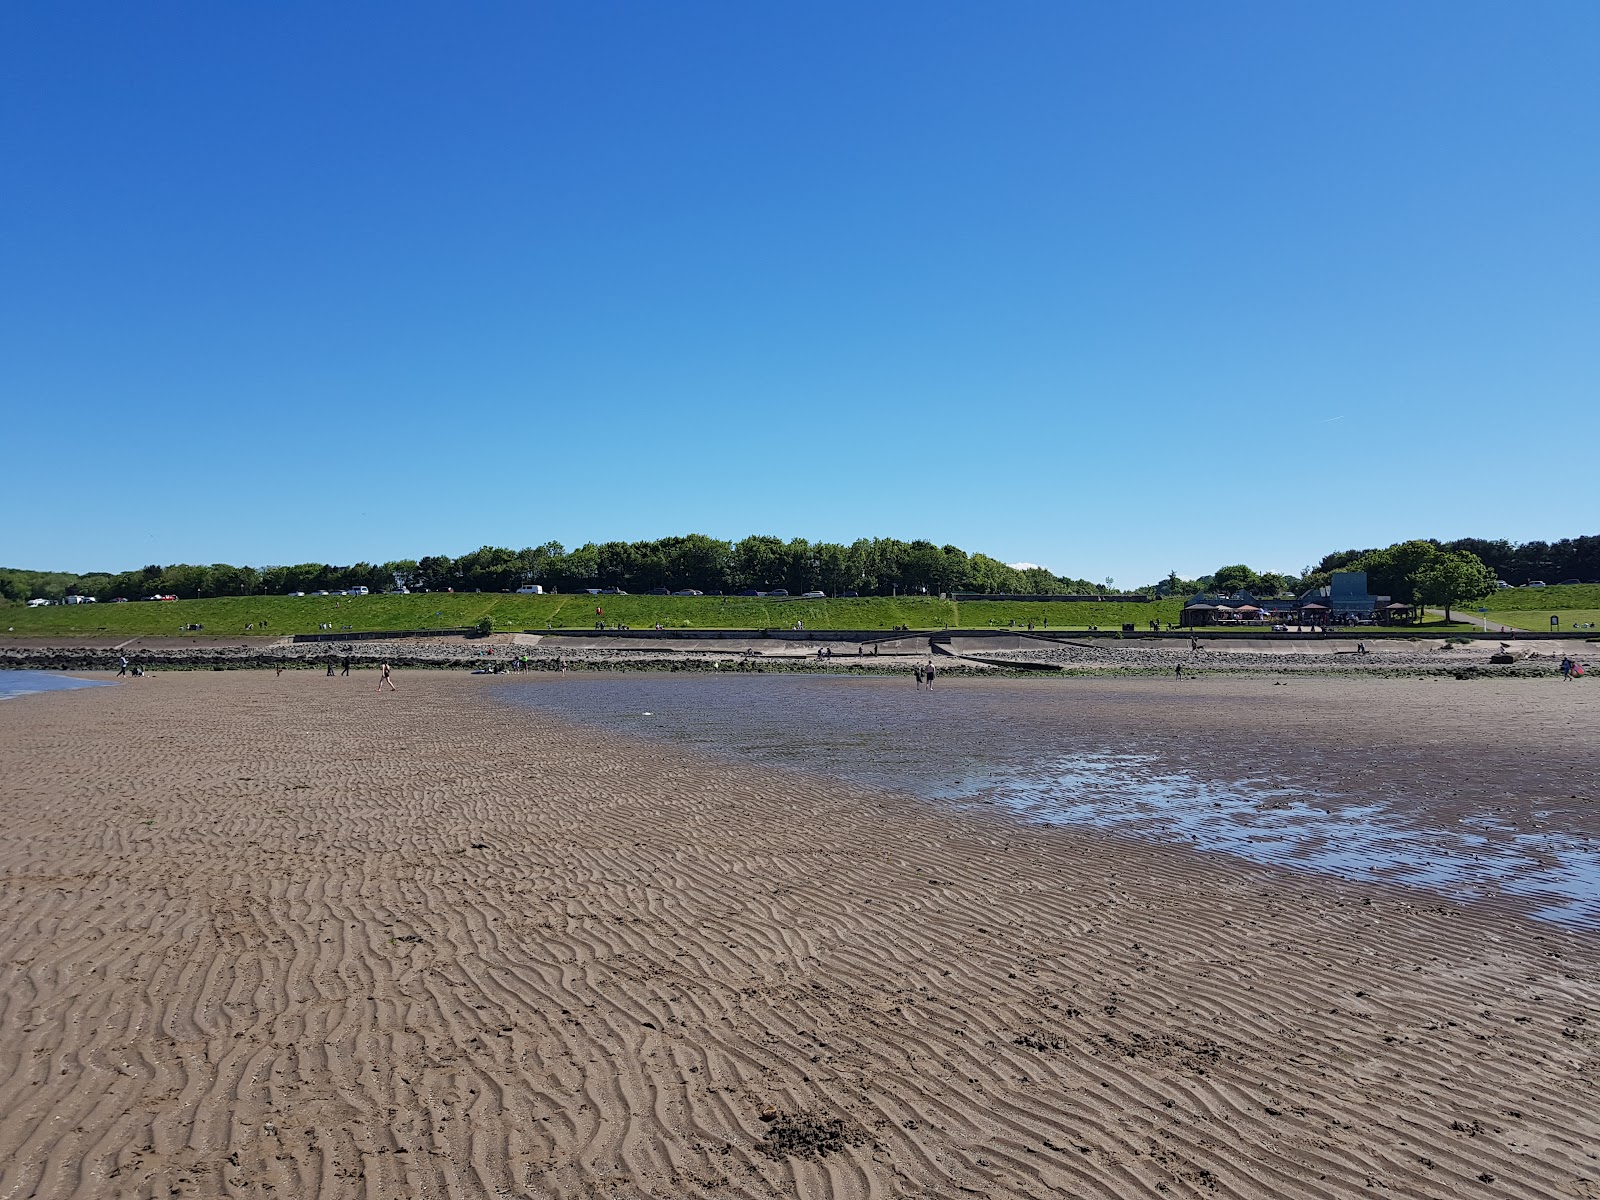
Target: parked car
pixel 530 589
pixel 813 595
pixel 76 599
pixel 319 593
pixel 779 592
pixel 751 592
pixel 688 592
pixel 297 593
pixel 359 591
pixel 1534 583
pixel 658 592
pixel 119 600
pixel 1501 583
pixel 612 592
pixel 38 602
pixel 1567 582
pixel 849 595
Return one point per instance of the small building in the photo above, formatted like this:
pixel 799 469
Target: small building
pixel 1343 601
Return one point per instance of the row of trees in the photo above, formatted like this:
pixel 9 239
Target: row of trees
pixel 1515 562
pixel 871 566
pixel 1414 571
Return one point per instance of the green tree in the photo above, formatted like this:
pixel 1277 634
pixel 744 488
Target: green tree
pixel 1236 578
pixel 1449 578
pixel 1393 571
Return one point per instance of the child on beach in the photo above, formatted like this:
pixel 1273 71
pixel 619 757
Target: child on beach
pixel 384 678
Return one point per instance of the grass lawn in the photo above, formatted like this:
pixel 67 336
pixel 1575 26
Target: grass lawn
pixel 1584 596
pixel 1538 619
pixel 281 615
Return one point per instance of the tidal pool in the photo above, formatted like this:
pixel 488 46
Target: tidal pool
pixel 993 744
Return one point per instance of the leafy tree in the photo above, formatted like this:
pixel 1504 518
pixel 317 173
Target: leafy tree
pixel 1270 583
pixel 1449 578
pixel 1236 578
pixel 1393 571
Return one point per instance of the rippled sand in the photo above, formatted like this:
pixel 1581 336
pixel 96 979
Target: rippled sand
pixel 282 936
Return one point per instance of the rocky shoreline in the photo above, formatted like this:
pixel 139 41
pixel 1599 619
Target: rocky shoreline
pixel 517 653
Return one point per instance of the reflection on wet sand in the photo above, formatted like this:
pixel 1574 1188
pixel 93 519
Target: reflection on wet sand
pixel 997 744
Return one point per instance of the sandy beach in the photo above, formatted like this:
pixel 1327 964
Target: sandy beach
pixel 283 936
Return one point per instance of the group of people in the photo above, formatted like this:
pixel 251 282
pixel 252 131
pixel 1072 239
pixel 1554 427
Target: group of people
pixel 924 673
pixel 345 664
pixel 1571 669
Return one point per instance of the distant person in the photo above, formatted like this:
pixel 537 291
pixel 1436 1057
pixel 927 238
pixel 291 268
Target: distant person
pixel 1566 670
pixel 929 673
pixel 122 669
pixel 383 678
pixel 1177 671
pixel 330 668
pixel 346 670
pixel 916 670
pixel 279 675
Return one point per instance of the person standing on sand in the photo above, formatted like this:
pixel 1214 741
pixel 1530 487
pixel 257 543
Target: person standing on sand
pixel 1177 671
pixel 916 669
pixel 928 675
pixel 384 678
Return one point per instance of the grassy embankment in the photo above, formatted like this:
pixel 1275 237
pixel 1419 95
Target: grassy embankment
pixel 282 615
pixel 1531 608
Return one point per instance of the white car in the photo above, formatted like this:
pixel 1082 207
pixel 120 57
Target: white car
pixel 297 593
pixel 530 589
pixel 40 602
pixel 1534 583
pixel 359 591
pixel 813 595
pixel 319 593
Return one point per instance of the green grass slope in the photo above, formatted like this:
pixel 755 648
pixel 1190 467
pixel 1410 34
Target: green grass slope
pixel 1573 620
pixel 281 615
pixel 1573 596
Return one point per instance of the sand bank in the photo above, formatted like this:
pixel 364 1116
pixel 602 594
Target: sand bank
pixel 284 937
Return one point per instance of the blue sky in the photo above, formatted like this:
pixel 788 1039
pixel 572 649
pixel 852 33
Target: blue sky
pixel 1117 289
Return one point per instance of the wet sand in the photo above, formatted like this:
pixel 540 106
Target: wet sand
pixel 281 936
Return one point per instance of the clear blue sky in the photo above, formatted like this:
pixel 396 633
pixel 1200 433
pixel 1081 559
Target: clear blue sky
pixel 1113 288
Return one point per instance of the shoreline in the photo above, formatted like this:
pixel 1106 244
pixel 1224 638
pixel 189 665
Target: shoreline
pixel 892 654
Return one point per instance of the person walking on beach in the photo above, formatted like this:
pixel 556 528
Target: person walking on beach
pixel 123 669
pixel 928 674
pixel 916 669
pixel 1177 671
pixel 1566 670
pixel 384 678
pixel 346 670
pixel 330 668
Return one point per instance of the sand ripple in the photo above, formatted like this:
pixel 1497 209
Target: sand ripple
pixel 281 937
